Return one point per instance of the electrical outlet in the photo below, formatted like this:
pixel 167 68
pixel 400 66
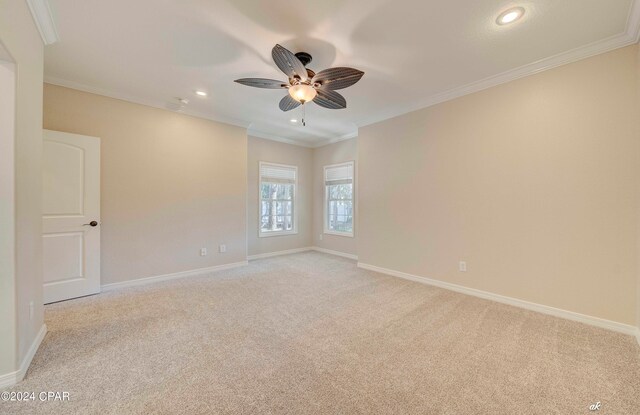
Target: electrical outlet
pixel 320 236
pixel 462 266
pixel 31 310
pixel 203 251
pixel 222 249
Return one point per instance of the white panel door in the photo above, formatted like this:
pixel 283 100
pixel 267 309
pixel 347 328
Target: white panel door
pixel 70 215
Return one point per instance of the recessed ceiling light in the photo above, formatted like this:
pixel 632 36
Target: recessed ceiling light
pixel 510 16
pixel 201 93
pixel 293 121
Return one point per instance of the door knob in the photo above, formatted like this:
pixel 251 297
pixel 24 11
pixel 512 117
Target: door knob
pixel 92 223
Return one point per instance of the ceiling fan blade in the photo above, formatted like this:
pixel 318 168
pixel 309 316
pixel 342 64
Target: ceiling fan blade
pixel 288 63
pixel 330 99
pixel 337 78
pixel 262 83
pixel 287 103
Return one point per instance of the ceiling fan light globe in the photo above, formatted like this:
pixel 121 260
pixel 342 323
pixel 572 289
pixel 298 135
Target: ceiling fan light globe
pixel 302 92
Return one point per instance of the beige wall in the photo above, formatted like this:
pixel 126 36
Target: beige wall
pixel 171 184
pixel 271 151
pixel 323 156
pixel 534 183
pixel 22 41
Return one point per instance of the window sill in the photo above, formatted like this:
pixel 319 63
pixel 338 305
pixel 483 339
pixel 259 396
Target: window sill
pixel 347 234
pixel 276 233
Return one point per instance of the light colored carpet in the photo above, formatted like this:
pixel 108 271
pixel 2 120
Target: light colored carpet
pixel 311 333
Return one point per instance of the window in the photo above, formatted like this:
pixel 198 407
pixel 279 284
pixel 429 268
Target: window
pixel 338 195
pixel 277 199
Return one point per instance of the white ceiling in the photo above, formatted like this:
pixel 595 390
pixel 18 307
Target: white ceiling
pixel 414 52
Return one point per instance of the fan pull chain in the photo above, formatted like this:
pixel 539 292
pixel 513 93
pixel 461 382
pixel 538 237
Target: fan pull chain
pixel 304 123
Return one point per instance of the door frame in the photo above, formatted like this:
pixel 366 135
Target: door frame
pixel 8 324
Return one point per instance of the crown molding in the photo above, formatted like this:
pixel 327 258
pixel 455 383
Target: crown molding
pixel 337 140
pixel 299 142
pixel 43 17
pixel 272 137
pixel 141 101
pixel 629 37
pixel 633 22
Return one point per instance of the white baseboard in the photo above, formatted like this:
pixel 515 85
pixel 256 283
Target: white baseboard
pixel 9 379
pixel 305 249
pixel 278 253
pixel 638 335
pixel 26 362
pixel 338 253
pixel 557 312
pixel 13 378
pixel 173 276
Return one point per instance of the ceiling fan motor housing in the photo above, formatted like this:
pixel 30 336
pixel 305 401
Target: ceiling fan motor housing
pixel 304 57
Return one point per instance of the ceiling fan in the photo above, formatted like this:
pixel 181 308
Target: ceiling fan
pixel 305 85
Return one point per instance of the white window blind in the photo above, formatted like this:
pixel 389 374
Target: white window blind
pixel 273 173
pixel 341 174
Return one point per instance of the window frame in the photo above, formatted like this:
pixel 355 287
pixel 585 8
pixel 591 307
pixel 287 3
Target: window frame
pixel 294 200
pixel 325 213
